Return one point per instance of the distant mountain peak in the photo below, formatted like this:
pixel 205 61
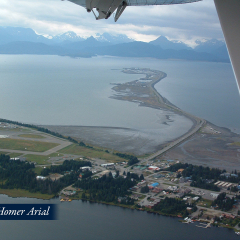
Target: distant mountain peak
pixel 91 39
pixel 208 45
pixel 164 43
pixel 111 38
pixel 67 36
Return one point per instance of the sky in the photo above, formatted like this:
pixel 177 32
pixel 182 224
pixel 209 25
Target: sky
pixel 184 22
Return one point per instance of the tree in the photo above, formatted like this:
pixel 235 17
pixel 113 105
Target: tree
pixel 141 177
pixel 144 189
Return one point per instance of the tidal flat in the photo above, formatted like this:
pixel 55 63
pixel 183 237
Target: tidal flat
pixel 171 123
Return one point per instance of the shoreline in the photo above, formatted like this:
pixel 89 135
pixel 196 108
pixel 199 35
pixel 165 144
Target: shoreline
pixel 157 101
pixel 141 91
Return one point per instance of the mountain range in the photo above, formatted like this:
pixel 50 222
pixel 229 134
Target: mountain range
pixel 16 40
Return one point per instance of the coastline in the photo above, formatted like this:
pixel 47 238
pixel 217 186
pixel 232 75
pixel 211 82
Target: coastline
pixel 138 91
pixel 138 141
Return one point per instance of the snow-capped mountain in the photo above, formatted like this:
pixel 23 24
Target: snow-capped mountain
pixel 209 46
pixel 67 36
pixel 11 34
pixel 113 39
pixel 164 43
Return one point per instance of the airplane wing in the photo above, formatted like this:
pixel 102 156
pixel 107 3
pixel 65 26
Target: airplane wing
pixel 106 7
pixel 157 2
pixel 229 16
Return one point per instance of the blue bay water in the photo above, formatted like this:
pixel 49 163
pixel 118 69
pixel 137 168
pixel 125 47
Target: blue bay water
pixel 55 90
pixel 92 221
pixel 61 90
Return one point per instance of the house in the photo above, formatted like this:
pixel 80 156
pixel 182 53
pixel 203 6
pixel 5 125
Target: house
pixel 214 195
pixel 87 168
pixel 40 178
pixel 228 216
pixel 120 199
pixel 154 168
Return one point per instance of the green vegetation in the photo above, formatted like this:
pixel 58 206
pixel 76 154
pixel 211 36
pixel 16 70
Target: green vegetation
pixel 224 203
pixel 173 206
pixel 40 129
pixel 38 170
pixel 14 155
pixel 25 193
pixel 68 165
pixel 39 159
pixel 107 189
pixel 15 174
pixel 201 183
pixel 145 189
pixel 31 136
pixel 199 175
pixel 131 159
pixel 26 145
pixel 90 152
pixel 3 152
pixel 204 177
pixel 205 203
pixel 235 143
pixel 228 221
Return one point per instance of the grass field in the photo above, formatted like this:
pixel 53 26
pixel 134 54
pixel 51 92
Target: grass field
pixel 92 153
pixel 26 145
pixel 40 160
pixel 205 203
pixel 13 155
pixel 24 193
pixel 235 143
pixel 38 170
pixel 31 136
pixel 3 152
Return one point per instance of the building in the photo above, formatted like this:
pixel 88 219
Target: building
pixel 214 195
pixel 85 168
pixel 106 172
pixel 154 168
pixel 40 178
pixel 107 164
pixel 180 170
pixel 155 184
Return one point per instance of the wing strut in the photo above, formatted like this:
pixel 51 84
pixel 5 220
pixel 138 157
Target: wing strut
pixel 120 10
pixel 229 16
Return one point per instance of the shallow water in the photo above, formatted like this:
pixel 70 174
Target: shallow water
pixel 57 90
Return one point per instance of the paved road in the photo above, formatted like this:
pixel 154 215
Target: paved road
pixel 48 138
pixel 46 153
pixel 176 142
pixel 198 124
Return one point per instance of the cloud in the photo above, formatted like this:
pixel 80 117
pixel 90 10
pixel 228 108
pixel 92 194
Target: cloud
pixel 186 22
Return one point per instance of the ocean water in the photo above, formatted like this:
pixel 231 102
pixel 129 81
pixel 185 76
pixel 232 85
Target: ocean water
pixel 207 90
pixel 55 90
pixel 62 90
pixel 91 221
pixel 68 91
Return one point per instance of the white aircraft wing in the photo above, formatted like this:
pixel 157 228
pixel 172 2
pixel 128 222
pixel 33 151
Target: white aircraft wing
pixel 157 2
pixel 229 16
pixel 106 7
